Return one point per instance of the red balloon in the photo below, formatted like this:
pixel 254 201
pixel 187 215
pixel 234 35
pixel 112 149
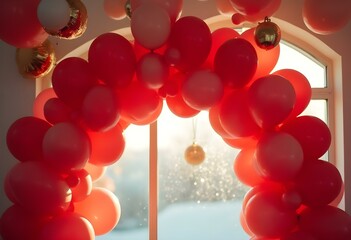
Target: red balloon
pixel 179 107
pixel 106 147
pixel 152 70
pixel 83 189
pixel 319 183
pixel 220 36
pixel 266 59
pixel 279 156
pixel 40 101
pixel 100 110
pixel 112 59
pixel 153 116
pixel 236 62
pixel 266 216
pixel 215 122
pixel 20 25
pixel 72 78
pixel 298 235
pixel 39 189
pixel 56 111
pixel 101 208
pixel 191 41
pixel 25 138
pixel 302 89
pixel 137 102
pixel 271 100
pixel 16 223
pixel 325 223
pixel 326 16
pixel 96 172
pixel 66 147
pixel 67 226
pixel 312 133
pixel 245 169
pixel 235 116
pixel 202 89
pixel 245 142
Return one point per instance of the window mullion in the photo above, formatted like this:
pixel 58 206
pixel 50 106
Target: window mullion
pixel 153 182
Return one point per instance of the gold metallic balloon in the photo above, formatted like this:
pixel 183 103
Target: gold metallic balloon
pixel 36 62
pixel 77 23
pixel 194 154
pixel 128 8
pixel 267 34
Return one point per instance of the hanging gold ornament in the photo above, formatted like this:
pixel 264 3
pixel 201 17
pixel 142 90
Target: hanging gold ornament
pixel 128 8
pixel 36 62
pixel 194 154
pixel 77 23
pixel 267 34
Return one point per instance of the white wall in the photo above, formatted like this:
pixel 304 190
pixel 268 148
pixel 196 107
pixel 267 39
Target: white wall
pixel 17 94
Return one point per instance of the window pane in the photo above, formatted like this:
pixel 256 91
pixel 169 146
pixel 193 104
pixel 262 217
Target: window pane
pixel 128 178
pixel 202 201
pixel 291 58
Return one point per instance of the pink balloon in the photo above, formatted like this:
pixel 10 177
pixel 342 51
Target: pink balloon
pixel 40 101
pixel 326 16
pixel 112 59
pixel 106 147
pixel 67 226
pixel 235 116
pixel 56 111
pixel 266 59
pixel 115 9
pixel 66 147
pixel 202 89
pixel 101 208
pixel 16 223
pixel 173 7
pixel 20 25
pixel 96 172
pixel 325 223
pixel 150 25
pixel 302 89
pixel 100 110
pixel 312 133
pixel 318 182
pixel 152 70
pixel 279 156
pixel 72 78
pixel 24 138
pixel 271 100
pixel 189 43
pixel 267 217
pixel 39 189
pixel 236 62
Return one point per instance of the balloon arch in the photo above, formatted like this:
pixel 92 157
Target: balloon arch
pixel 77 130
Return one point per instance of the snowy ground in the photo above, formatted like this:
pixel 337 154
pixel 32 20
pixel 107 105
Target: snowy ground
pixel 192 221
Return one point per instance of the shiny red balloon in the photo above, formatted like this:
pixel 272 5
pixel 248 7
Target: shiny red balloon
pixel 39 189
pixel 100 110
pixel 72 78
pixel 25 138
pixel 190 41
pixel 312 133
pixel 111 57
pixel 235 116
pixel 302 89
pixel 66 147
pixel 325 223
pixel 20 25
pixel 106 147
pixel 318 182
pixel 56 111
pixel 236 62
pixel 271 100
pixel 279 156
pixel 67 226
pixel 16 223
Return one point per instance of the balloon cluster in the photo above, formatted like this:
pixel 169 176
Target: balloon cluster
pixel 320 16
pixel 77 129
pixel 26 25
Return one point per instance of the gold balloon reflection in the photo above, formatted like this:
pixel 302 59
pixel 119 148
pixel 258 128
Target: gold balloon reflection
pixel 267 34
pixel 36 62
pixel 194 154
pixel 77 23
